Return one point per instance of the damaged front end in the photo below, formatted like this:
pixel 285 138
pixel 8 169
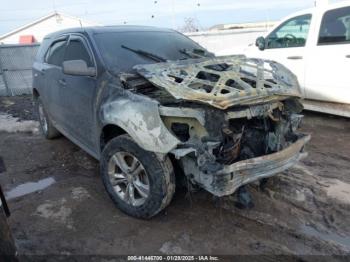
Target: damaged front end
pixel 232 120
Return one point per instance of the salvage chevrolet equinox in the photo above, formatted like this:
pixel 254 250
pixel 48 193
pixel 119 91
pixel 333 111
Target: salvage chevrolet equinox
pixel 150 103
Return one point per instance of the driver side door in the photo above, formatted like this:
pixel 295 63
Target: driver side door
pixel 287 45
pixel 77 94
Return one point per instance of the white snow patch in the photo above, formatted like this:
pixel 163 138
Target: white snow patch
pixel 339 190
pixel 29 187
pixel 12 124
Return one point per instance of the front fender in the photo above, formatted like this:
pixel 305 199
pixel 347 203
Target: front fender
pixel 141 120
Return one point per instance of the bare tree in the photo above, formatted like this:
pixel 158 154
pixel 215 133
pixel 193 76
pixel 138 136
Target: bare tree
pixel 190 25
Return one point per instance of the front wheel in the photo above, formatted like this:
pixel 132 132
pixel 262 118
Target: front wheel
pixel 139 182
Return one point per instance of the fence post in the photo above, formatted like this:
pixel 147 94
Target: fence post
pixel 2 73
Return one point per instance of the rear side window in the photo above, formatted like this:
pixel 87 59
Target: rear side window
pixel 55 53
pixel 40 56
pixel 335 27
pixel 76 50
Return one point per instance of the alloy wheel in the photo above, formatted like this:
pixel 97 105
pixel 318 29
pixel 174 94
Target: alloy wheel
pixel 128 178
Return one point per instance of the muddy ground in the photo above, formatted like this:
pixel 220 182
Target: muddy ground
pixel 301 213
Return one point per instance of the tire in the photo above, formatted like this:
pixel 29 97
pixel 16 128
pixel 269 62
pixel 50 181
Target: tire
pixel 46 127
pixel 159 173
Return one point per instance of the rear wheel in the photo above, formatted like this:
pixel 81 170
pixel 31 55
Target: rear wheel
pixel 139 182
pixel 46 126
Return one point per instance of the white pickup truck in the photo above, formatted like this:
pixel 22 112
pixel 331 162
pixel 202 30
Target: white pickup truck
pixel 315 45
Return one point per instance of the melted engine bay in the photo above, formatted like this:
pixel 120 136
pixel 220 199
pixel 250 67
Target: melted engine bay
pixel 235 119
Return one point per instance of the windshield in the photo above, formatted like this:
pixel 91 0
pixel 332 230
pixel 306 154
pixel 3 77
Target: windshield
pixel 167 45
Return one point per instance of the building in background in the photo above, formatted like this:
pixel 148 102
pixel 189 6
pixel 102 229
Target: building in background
pixel 35 31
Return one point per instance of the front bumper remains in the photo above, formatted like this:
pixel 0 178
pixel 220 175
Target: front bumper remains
pixel 231 177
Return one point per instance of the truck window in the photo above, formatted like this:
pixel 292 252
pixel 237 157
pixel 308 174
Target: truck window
pixel 76 50
pixel 335 27
pixel 292 33
pixel 56 52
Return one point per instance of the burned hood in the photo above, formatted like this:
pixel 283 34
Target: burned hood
pixel 223 81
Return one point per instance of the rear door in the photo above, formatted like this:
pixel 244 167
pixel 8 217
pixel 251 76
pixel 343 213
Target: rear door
pixel 287 45
pixel 329 60
pixel 78 92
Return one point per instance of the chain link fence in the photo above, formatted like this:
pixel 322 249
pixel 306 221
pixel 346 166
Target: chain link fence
pixel 16 69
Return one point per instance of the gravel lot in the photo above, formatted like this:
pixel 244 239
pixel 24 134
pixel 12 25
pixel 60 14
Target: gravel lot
pixel 302 212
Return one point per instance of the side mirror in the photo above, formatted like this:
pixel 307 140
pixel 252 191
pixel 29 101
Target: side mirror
pixel 78 68
pixel 260 43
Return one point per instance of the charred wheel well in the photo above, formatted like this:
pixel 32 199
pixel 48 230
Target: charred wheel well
pixel 109 132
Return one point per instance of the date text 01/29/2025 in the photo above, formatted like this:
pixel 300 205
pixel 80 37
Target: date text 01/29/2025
pixel 173 258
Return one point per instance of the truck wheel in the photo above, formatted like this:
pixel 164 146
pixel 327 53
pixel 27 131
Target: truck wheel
pixel 139 182
pixel 46 126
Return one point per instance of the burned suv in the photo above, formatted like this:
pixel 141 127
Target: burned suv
pixel 150 103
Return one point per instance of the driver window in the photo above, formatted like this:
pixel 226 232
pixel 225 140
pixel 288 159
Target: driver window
pixel 76 50
pixel 292 33
pixel 54 56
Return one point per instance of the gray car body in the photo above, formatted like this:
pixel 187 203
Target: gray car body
pixel 90 110
pixel 81 107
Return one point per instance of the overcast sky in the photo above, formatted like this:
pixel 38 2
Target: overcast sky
pixel 166 13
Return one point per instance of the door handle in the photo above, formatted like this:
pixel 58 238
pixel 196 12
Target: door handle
pixel 347 56
pixel 62 82
pixel 295 57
